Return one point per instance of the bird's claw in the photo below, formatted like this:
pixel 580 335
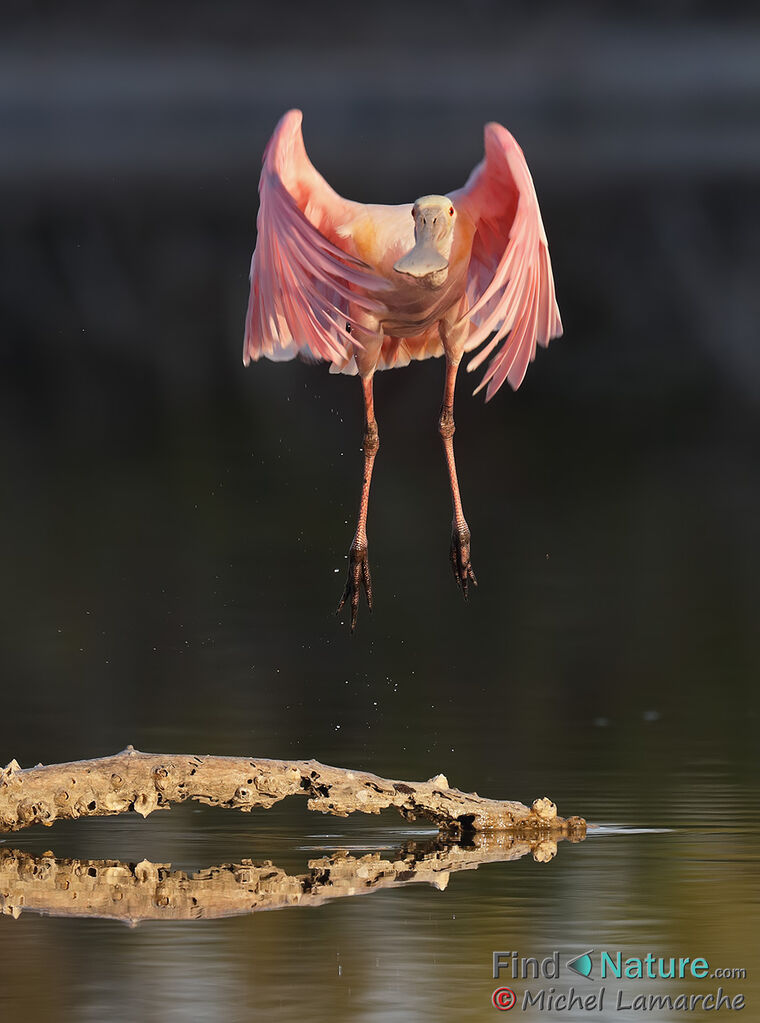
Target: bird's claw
pixel 460 559
pixel 358 576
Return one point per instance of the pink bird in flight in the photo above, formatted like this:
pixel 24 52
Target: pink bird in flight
pixel 369 287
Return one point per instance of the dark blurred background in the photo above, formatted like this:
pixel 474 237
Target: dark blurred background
pixel 175 528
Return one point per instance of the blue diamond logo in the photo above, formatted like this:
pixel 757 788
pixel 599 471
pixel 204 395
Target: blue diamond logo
pixel 582 964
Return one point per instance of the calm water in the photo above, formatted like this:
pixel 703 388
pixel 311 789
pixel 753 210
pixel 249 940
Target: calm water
pixel 414 952
pixel 173 530
pixel 608 660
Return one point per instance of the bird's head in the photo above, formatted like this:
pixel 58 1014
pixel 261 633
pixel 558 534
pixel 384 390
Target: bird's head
pixel 427 262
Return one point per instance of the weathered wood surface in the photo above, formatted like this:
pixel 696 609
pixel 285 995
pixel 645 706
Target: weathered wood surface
pixel 152 891
pixel 145 782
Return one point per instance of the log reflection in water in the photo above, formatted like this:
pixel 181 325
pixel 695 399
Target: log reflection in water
pixel 153 891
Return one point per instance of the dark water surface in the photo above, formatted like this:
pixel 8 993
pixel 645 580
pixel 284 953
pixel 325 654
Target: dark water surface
pixel 415 952
pixel 173 530
pixel 183 602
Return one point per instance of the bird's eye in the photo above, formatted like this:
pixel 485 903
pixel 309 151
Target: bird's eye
pixel 451 211
pixel 414 214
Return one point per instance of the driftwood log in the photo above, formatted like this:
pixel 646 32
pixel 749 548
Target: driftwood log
pixel 145 782
pixel 134 892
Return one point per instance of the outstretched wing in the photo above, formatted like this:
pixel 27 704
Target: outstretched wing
pixel 510 287
pixel 305 288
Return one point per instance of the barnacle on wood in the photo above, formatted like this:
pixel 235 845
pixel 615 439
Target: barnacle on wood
pixel 144 782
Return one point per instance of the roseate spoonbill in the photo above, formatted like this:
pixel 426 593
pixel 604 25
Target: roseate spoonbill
pixel 368 287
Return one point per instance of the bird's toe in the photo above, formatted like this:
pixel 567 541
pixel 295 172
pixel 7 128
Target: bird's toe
pixel 357 578
pixel 460 559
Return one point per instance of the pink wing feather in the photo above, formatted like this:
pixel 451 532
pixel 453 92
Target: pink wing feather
pixel 305 288
pixel 510 286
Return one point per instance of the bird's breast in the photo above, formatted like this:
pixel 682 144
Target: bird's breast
pixel 382 235
pixel 412 310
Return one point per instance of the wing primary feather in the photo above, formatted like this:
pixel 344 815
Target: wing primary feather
pixel 305 289
pixel 510 285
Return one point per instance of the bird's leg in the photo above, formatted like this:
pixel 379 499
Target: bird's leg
pixel 358 561
pixel 460 533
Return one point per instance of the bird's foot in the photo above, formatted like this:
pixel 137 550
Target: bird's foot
pixel 460 558
pixel 358 576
